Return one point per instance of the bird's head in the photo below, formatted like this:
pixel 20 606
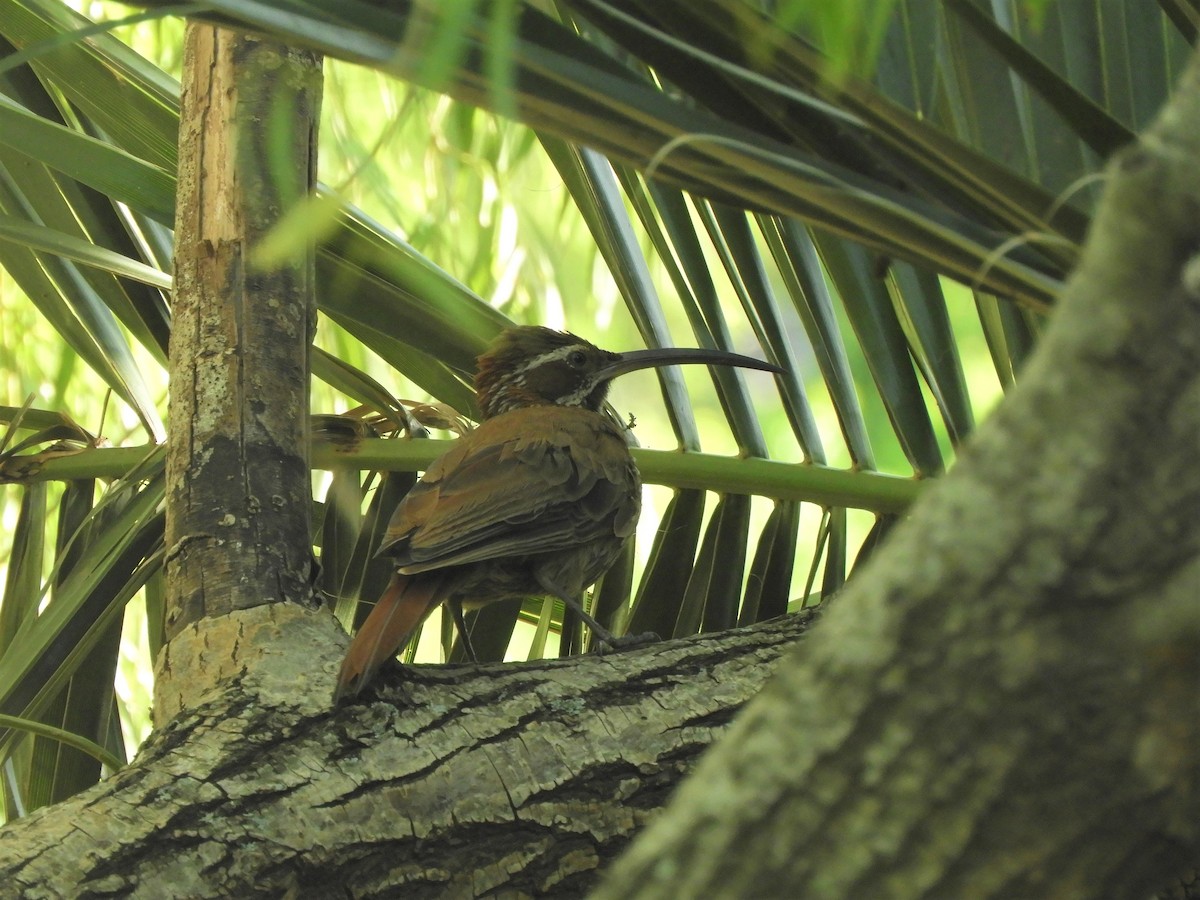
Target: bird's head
pixel 535 366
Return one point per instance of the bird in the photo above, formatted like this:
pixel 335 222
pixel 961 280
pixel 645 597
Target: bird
pixel 538 500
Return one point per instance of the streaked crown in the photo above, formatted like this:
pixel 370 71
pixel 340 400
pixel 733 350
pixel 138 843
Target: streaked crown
pixel 536 366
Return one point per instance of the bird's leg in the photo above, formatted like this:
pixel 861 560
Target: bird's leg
pixel 456 610
pixel 602 634
pixel 606 637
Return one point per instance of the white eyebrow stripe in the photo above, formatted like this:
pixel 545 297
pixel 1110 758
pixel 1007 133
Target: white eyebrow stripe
pixel 555 355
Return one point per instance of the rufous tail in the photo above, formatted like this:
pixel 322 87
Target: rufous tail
pixel 400 609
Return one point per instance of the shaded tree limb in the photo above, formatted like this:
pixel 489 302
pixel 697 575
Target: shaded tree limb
pixel 1006 702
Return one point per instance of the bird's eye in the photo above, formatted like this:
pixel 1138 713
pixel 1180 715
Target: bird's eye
pixel 577 359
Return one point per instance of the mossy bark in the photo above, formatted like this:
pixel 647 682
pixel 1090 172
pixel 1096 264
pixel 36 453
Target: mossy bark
pixel 445 781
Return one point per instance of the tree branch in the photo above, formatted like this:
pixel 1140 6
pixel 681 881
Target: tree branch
pixel 452 780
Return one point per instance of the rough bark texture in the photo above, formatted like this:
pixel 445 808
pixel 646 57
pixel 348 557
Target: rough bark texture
pixel 498 780
pixel 1006 703
pixel 240 334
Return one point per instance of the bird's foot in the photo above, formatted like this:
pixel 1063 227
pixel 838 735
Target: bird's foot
pixel 604 641
pixel 614 643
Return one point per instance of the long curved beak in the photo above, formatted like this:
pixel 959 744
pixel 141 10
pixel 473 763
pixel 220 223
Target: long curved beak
pixel 670 356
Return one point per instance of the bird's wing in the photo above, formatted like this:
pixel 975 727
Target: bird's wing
pixel 524 482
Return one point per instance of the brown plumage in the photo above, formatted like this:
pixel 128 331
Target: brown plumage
pixel 536 501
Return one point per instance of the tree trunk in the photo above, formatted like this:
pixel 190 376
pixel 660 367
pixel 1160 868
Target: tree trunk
pixel 238 494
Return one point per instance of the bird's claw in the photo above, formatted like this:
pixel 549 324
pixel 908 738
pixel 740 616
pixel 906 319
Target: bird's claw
pixel 616 643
